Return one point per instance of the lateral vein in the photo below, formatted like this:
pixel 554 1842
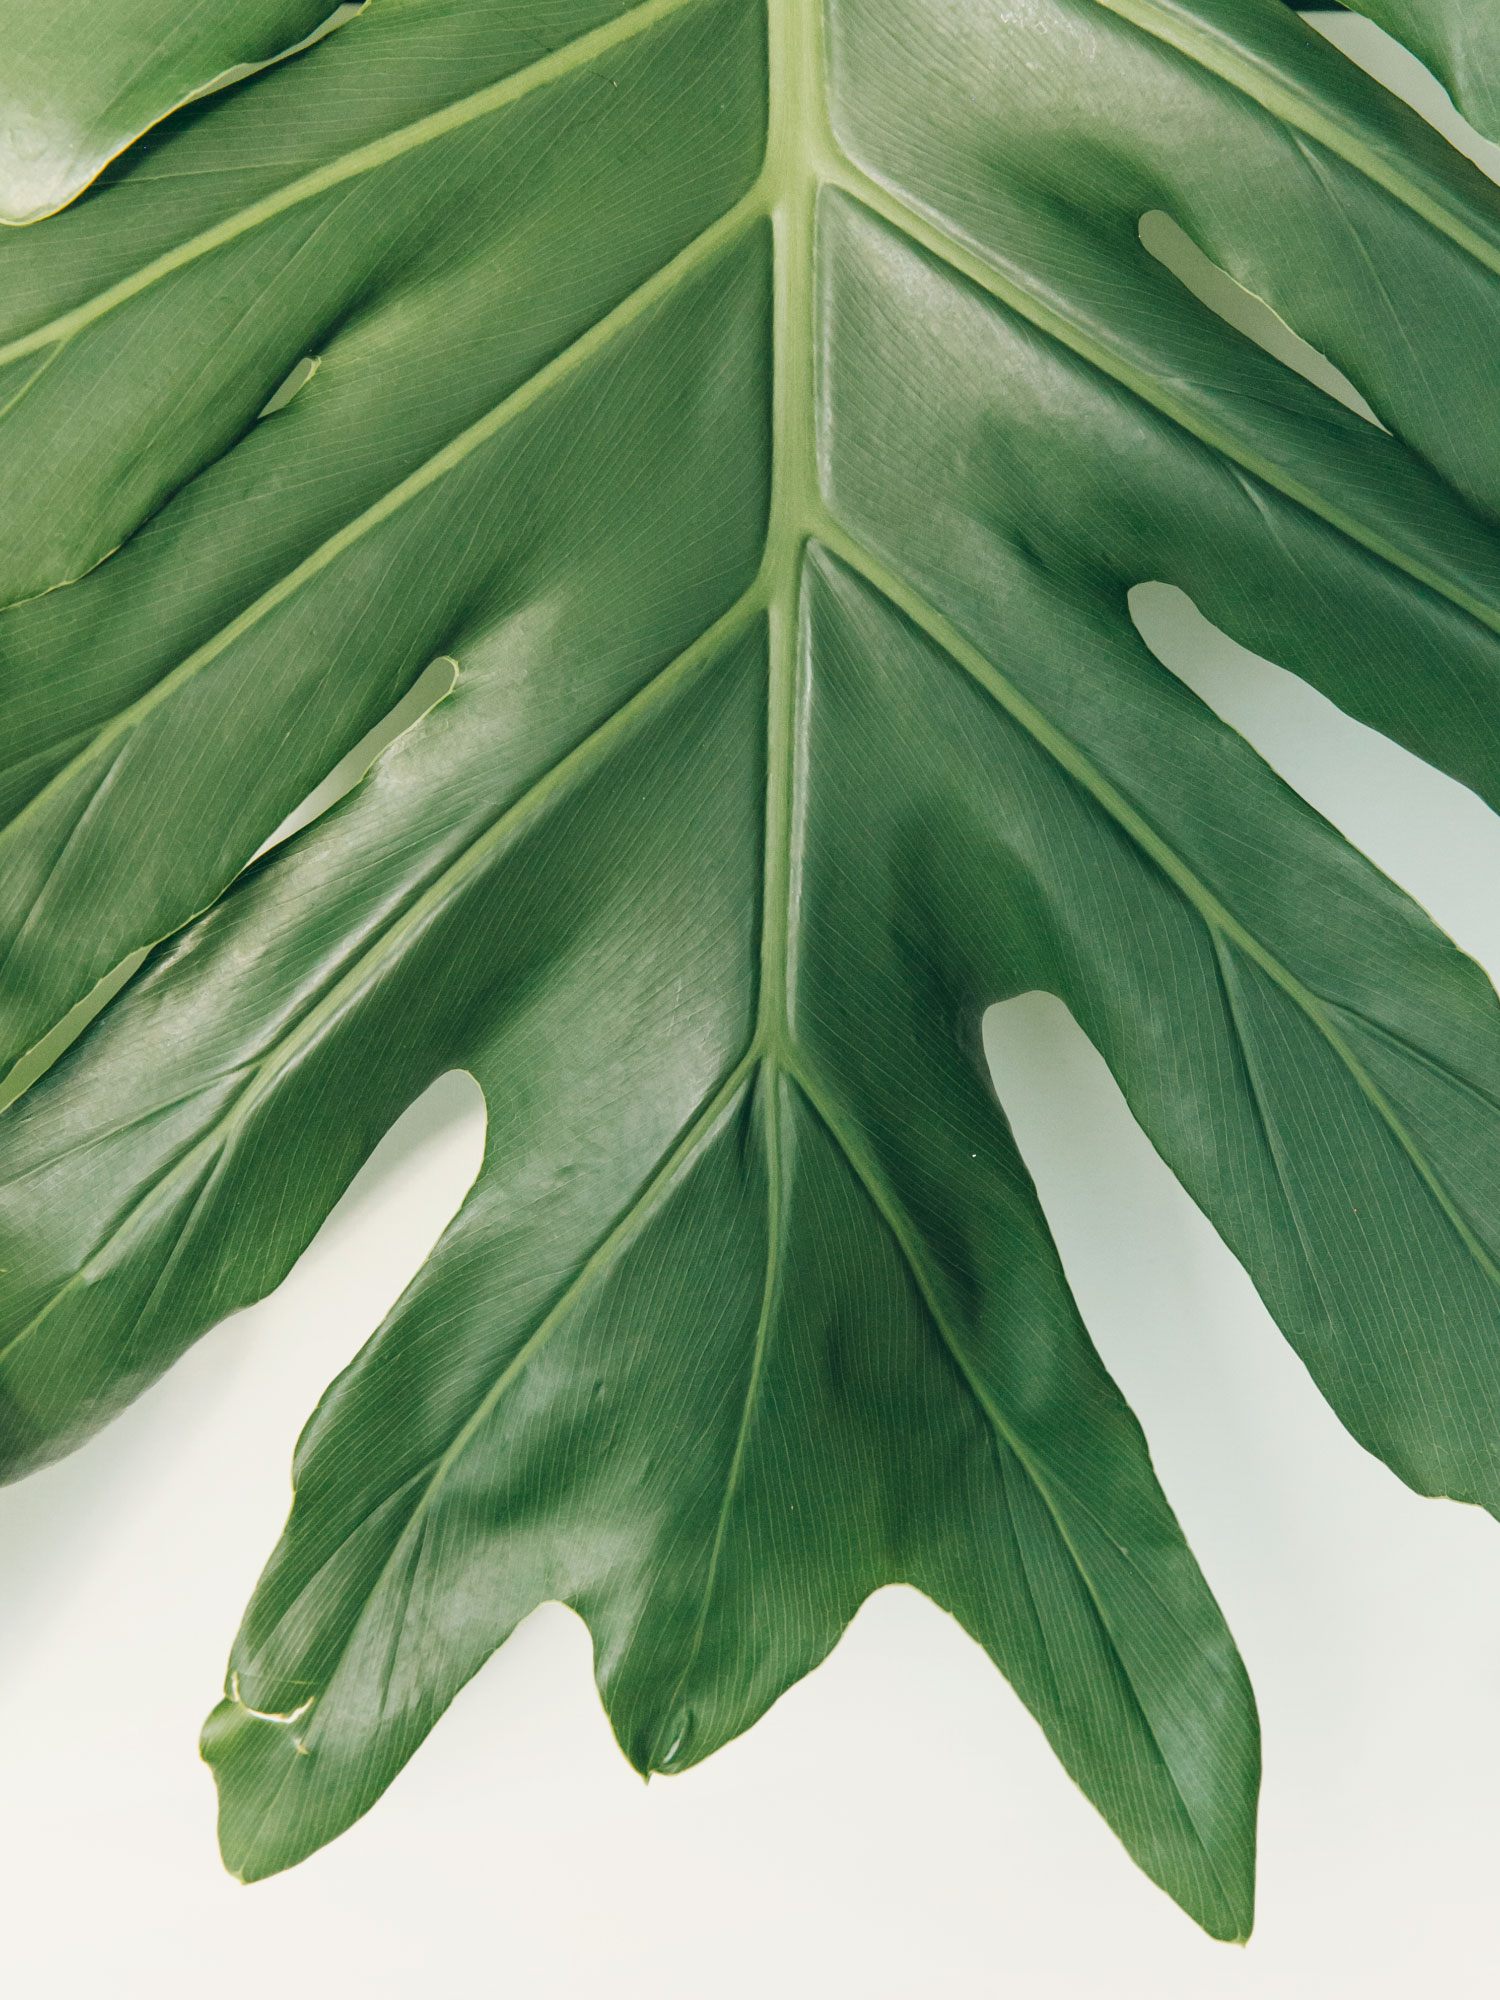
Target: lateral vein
pixel 939 244
pixel 699 251
pixel 348 166
pixel 343 991
pixel 1219 919
pixel 895 1219
pixel 776 1192
pixel 701 1128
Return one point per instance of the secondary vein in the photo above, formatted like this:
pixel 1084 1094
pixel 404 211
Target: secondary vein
pixel 904 1236
pixel 1220 920
pixel 1007 291
pixel 704 1125
pixel 348 166
pixel 343 991
pixel 698 252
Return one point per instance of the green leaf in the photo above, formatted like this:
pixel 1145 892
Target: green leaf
pixel 1460 41
pixel 75 94
pixel 769 415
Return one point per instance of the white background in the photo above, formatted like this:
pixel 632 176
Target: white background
pixel 896 1827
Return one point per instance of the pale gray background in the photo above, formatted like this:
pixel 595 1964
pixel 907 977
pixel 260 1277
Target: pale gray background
pixel 897 1826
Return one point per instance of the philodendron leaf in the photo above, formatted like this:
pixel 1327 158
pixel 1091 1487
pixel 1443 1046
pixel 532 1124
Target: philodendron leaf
pixel 768 410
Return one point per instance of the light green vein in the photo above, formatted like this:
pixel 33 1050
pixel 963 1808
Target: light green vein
pixel 664 1758
pixel 345 991
pixel 1150 388
pixel 700 251
pixel 704 1127
pixel 905 1237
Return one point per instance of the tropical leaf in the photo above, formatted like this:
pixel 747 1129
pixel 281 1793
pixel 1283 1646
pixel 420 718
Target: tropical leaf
pixel 768 415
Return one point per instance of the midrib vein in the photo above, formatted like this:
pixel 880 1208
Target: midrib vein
pixel 799 122
pixel 1209 52
pixel 802 157
pixel 797 145
pixel 796 140
pixel 769 1081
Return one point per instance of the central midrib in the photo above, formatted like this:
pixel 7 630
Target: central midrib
pixel 797 138
pixel 802 158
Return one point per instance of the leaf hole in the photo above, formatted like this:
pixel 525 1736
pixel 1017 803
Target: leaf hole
pixel 1237 1429
pixel 40 1057
pixel 431 686
pixel 441 1135
pixel 1208 282
pixel 1406 76
pixel 436 681
pixel 298 379
pixel 1412 820
pixel 266 1714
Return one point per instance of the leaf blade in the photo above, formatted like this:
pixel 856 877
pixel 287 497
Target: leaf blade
pixel 765 772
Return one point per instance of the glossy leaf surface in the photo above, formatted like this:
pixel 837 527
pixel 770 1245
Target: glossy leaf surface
pixel 76 89
pixel 768 412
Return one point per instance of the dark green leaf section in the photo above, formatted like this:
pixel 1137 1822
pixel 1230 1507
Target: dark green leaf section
pixel 1322 1145
pixel 1314 1059
pixel 778 501
pixel 280 604
pixel 127 1181
pixel 1335 203
pixel 740 1419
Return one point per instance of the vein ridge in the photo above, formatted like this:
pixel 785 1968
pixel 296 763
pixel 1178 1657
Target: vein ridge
pixel 361 159
pixel 1220 921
